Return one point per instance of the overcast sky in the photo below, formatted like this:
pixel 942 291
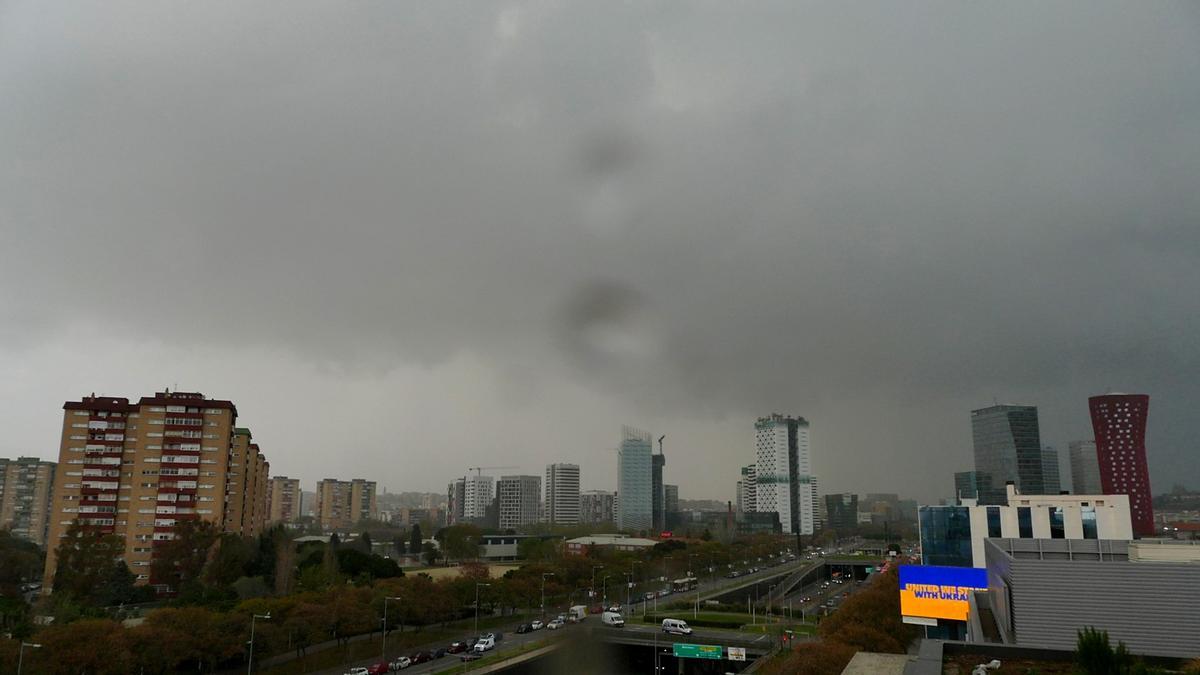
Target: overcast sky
pixel 410 238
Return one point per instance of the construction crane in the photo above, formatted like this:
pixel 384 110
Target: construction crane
pixel 480 469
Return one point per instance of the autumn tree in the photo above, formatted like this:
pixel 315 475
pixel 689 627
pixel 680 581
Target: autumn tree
pixel 181 559
pixel 460 542
pixel 89 567
pixel 92 646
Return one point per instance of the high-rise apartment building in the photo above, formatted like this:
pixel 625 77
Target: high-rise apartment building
pixel 477 497
pixel 635 510
pixel 455 494
pixel 658 497
pixel 342 504
pixel 1051 480
pixel 596 506
pixel 283 500
pixel 136 470
pixel 26 490
pixel 1119 421
pixel 1008 447
pixel 562 494
pixel 245 486
pixel 520 501
pixel 783 475
pixel 1085 468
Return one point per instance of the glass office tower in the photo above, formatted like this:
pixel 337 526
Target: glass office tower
pixel 1008 447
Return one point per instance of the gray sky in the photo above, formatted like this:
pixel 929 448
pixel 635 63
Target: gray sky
pixel 409 238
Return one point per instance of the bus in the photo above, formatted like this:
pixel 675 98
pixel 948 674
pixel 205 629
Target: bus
pixel 684 584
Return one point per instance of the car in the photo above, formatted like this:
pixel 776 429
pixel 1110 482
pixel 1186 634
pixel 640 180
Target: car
pixel 613 619
pixel 439 653
pixel 456 648
pixel 524 628
pixel 649 595
pixel 485 643
pixel 470 656
pixel 676 626
pixel 381 668
pixel 358 670
pixel 732 575
pixel 400 663
pixel 421 657
pixel 556 623
pixel 536 625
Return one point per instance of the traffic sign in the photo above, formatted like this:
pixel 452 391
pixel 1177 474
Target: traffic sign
pixel 687 651
pixel 737 653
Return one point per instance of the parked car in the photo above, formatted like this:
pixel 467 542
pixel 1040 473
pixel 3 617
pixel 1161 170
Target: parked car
pixel 676 626
pixel 556 623
pixel 536 625
pixel 456 648
pixel 381 668
pixel 400 663
pixel 524 628
pixel 421 657
pixel 484 644
pixel 357 670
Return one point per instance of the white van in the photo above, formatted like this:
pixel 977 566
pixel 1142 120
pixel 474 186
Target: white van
pixel 676 626
pixel 612 619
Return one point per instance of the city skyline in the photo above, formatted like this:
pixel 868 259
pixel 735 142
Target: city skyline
pixel 565 236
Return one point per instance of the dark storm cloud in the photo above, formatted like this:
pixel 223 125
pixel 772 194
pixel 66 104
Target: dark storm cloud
pixel 878 217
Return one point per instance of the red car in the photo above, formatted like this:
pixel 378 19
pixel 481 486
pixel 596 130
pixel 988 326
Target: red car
pixel 380 668
pixel 421 657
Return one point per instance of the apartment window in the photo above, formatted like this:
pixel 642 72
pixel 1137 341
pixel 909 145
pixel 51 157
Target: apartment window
pixel 1057 530
pixel 81 413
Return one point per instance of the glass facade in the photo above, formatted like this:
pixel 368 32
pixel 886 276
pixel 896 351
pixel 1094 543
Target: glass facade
pixel 1057 530
pixel 635 508
pixel 993 521
pixel 1008 447
pixel 1088 514
pixel 945 535
pixel 1025 522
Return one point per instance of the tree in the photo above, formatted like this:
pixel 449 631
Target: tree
pixel 86 562
pixel 414 538
pixel 461 542
pixel 182 558
pixel 1094 655
pixel 364 542
pixel 431 552
pixel 93 646
pixel 234 557
pixel 399 545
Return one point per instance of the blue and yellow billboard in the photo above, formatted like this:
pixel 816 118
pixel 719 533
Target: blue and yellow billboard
pixel 932 592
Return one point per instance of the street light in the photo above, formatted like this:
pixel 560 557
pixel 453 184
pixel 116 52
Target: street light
pixel 383 651
pixel 604 587
pixel 21 653
pixel 629 592
pixel 544 575
pixel 253 618
pixel 477 585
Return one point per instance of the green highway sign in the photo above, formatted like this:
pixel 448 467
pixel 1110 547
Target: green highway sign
pixel 687 651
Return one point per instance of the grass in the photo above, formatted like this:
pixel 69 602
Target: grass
pixel 494 657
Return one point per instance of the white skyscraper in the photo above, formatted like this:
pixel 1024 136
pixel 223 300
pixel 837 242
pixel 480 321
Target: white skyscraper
pixel 477 496
pixel 635 509
pixel 1085 468
pixel 562 494
pixel 783 480
pixel 519 499
pixel 746 489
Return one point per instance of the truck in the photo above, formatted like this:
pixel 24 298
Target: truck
pixel 576 613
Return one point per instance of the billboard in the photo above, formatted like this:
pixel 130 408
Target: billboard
pixel 931 592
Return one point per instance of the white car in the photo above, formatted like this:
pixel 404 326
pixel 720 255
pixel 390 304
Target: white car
pixel 555 624
pixel 485 643
pixel 357 671
pixel 399 664
pixel 537 625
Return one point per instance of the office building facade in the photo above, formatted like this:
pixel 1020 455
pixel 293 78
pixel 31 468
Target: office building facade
pixel 635 509
pixel 1119 422
pixel 283 501
pixel 954 535
pixel 968 484
pixel 26 491
pixel 746 489
pixel 596 506
pixel 658 494
pixel 841 511
pixel 1008 447
pixel 519 501
pixel 1085 468
pixel 783 474
pixel 562 494
pixel 136 470
pixel 1051 478
pixel 478 494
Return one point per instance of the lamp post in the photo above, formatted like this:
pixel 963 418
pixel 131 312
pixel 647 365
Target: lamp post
pixel 383 651
pixel 253 618
pixel 690 557
pixel 477 585
pixel 592 593
pixel 629 593
pixel 544 575
pixel 604 590
pixel 21 653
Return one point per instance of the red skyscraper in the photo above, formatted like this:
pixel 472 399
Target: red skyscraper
pixel 1119 421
